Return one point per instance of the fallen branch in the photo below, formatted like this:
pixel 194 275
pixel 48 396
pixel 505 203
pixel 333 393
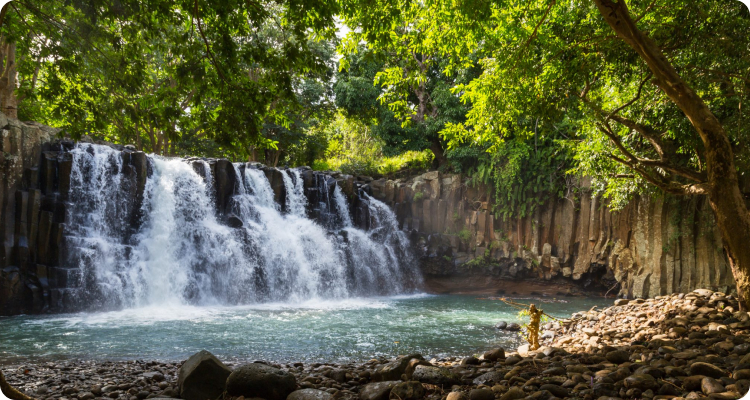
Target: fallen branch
pixel 11 392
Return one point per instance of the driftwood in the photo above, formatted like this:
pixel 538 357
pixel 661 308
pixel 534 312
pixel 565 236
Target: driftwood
pixel 11 392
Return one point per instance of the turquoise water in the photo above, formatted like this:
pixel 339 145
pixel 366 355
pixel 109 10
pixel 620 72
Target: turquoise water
pixel 342 331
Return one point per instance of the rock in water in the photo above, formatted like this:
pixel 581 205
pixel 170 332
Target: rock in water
pixel 501 325
pixel 407 391
pixel 514 327
pixel 202 377
pixel 377 390
pixel 260 380
pixel 309 394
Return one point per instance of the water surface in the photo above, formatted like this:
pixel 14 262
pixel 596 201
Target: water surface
pixel 322 331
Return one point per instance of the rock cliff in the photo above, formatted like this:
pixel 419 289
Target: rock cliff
pixel 652 247
pixel 25 233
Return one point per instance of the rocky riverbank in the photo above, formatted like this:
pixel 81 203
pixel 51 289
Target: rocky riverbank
pixel 681 346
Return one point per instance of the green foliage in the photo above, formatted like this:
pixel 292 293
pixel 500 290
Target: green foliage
pixel 352 148
pixel 406 100
pixel 418 196
pixel 172 77
pixel 562 64
pixel 464 235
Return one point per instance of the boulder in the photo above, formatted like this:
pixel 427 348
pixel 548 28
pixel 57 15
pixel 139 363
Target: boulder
pixel 412 365
pixel 392 371
pixel 642 382
pixel 471 360
pixel 407 391
pixel 435 376
pixel 513 327
pixel 556 390
pixel 501 325
pixel 202 377
pixel 456 396
pixel 617 357
pixel 489 378
pixel 377 390
pixel 701 368
pixel 494 354
pixel 309 394
pixel 481 394
pixel 260 380
pixel 711 386
pixel 513 393
pixel 692 383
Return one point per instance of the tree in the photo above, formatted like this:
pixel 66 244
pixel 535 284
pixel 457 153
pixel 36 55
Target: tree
pixel 409 99
pixel 161 73
pixel 655 89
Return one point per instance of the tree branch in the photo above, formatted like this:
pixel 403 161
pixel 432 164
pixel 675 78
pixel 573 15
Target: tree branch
pixel 10 391
pixel 628 104
pixel 663 183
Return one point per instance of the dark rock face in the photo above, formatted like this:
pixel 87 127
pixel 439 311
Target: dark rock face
pixel 202 377
pixel 226 181
pixel 563 243
pixel 260 380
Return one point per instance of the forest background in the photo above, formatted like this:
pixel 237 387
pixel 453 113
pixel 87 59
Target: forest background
pixel 645 97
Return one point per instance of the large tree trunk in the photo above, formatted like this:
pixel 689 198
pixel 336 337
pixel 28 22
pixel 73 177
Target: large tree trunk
pixel 437 149
pixel 732 215
pixel 8 100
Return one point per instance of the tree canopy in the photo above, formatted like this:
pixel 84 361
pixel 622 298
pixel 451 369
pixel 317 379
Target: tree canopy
pixel 643 96
pixel 164 72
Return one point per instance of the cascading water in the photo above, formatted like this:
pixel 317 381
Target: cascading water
pixel 179 247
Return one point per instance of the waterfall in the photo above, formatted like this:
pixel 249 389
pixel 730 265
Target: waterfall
pixel 179 246
pixel 342 207
pixel 295 196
